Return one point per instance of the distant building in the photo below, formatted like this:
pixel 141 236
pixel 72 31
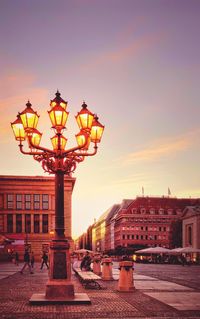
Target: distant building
pixel 191 227
pixel 144 221
pixel 27 210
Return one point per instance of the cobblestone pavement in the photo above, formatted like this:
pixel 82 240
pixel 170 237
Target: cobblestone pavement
pixel 16 290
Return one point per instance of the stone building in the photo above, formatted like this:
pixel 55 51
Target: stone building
pixel 191 227
pixel 27 210
pixel 145 221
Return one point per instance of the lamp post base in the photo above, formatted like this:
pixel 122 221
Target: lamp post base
pixel 77 299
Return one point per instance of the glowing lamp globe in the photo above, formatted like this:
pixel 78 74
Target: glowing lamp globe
pixel 84 118
pixel 55 142
pixel 58 116
pixel 18 129
pixel 96 131
pixel 29 117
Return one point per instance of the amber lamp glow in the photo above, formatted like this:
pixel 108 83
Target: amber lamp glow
pixel 84 118
pixel 55 142
pixel 58 116
pixel 29 117
pixel 18 129
pixel 35 137
pixel 96 130
pixel 83 138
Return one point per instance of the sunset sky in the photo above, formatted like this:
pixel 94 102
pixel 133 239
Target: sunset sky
pixel 136 63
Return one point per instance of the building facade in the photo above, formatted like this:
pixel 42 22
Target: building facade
pixel 144 221
pixel 27 210
pixel 191 227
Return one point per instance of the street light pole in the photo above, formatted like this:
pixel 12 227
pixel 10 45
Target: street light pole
pixel 60 162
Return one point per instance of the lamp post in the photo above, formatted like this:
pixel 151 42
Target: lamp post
pixel 58 161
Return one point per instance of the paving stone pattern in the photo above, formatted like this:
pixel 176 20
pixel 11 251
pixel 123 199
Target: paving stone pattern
pixel 15 291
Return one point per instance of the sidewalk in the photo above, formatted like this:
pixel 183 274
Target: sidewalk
pixel 162 291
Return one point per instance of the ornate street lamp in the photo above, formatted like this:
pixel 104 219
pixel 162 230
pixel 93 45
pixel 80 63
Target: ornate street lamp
pixel 60 162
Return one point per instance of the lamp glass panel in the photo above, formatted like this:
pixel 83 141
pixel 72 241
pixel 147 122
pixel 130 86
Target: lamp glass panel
pixel 29 120
pixel 36 138
pixel 96 133
pixel 18 131
pixel 84 120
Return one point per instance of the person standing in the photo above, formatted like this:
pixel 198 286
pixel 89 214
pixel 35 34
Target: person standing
pixel 26 262
pixel 44 260
pixel 32 260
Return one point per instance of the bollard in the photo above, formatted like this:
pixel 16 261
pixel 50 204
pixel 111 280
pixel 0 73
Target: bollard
pixel 97 265
pixel 125 282
pixel 107 269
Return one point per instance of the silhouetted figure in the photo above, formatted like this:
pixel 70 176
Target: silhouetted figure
pixel 86 261
pixel 44 260
pixel 32 260
pixel 26 262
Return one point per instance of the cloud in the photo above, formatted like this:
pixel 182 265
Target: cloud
pixel 16 88
pixel 162 148
pixel 124 51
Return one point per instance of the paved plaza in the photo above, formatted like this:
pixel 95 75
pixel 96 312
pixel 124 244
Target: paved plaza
pixel 162 291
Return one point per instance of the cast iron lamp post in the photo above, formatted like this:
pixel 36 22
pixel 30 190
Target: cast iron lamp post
pixel 58 161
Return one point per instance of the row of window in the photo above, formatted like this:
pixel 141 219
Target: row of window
pixel 28 200
pixel 143 237
pixel 152 211
pixel 146 228
pixel 27 223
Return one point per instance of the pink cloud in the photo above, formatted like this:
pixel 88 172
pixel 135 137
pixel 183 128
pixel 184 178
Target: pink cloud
pixel 124 52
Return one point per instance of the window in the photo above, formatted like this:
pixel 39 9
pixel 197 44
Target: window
pixel 18 201
pixel 10 201
pixel 10 223
pixel 18 223
pixel 132 236
pixel 45 201
pixel 190 235
pixel 45 223
pixel 36 223
pixel 36 201
pixel 123 236
pixel 146 237
pixel 128 236
pixel 27 223
pixel 27 201
pixel 137 236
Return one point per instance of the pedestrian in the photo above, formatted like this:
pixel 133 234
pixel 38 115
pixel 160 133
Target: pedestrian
pixel 16 258
pixel 86 261
pixel 32 260
pixel 26 262
pixel 44 260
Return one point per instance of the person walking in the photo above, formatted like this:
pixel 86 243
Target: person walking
pixel 26 262
pixel 32 260
pixel 44 260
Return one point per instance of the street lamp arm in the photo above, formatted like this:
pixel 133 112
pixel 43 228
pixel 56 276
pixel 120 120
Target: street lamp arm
pixel 88 154
pixel 29 153
pixel 44 149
